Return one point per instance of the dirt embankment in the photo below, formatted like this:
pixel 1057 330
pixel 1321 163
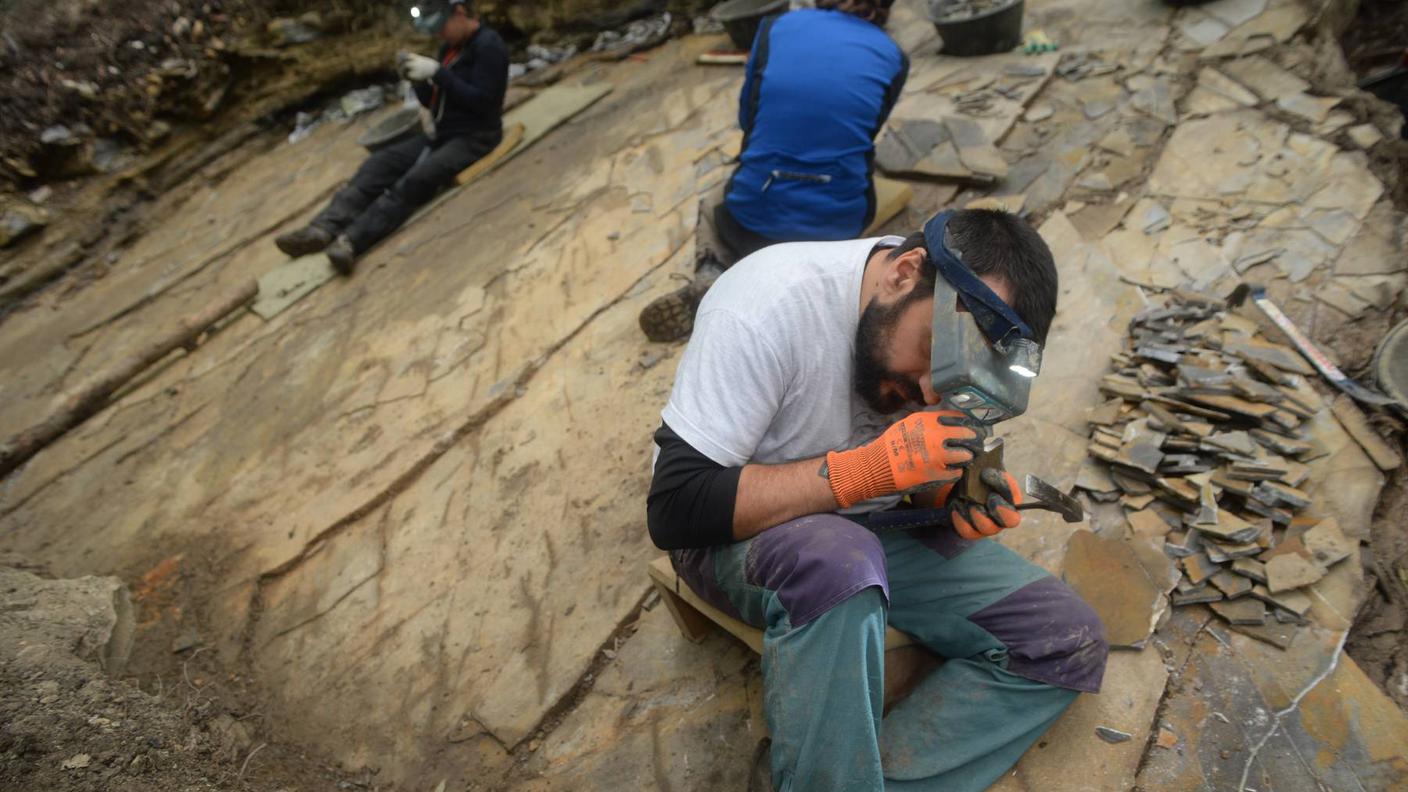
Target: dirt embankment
pixel 86 86
pixel 68 720
pixel 1376 40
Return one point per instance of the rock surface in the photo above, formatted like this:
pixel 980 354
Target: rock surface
pixel 422 488
pixel 69 721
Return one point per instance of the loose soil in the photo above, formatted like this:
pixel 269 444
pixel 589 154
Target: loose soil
pixel 66 723
pixel 1378 39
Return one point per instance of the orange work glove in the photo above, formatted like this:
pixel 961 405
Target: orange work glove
pixel 925 448
pixel 973 521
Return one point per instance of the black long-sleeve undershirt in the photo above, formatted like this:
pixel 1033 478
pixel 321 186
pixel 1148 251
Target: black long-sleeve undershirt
pixel 691 496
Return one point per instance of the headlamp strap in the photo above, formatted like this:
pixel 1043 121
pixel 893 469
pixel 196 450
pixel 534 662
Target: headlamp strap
pixel 994 316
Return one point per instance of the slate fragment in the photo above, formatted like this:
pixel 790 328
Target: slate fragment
pixel 1291 571
pixel 1231 585
pixel 1327 543
pixel 1107 573
pixel 1250 568
pixel 1246 611
pixel 1199 568
pixel 1112 736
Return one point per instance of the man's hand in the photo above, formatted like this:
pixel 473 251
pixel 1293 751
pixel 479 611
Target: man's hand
pixel 974 521
pixel 416 68
pixel 922 449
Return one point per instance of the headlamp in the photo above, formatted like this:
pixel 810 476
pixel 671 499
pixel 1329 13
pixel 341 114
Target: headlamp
pixel 983 360
pixel 430 16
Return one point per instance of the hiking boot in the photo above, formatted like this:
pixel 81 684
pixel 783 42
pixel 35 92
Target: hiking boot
pixel 308 239
pixel 342 255
pixel 671 317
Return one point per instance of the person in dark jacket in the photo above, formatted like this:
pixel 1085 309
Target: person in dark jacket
pixel 819 85
pixel 463 90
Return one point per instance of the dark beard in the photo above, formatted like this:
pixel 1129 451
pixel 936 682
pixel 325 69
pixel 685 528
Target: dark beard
pixel 873 335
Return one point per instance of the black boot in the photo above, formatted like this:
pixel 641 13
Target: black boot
pixel 671 317
pixel 342 255
pixel 308 239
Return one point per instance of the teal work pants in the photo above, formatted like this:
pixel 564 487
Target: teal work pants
pixel 1019 646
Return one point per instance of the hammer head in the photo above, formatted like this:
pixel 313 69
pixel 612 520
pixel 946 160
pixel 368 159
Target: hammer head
pixel 1052 499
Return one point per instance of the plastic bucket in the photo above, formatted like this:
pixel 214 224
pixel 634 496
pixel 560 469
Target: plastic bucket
pixel 996 30
pixel 742 18
pixel 398 126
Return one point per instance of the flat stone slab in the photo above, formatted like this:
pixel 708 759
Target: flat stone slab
pixel 1250 715
pixel 1107 573
pixel 1269 81
pixel 665 714
pixel 285 285
pixel 1071 757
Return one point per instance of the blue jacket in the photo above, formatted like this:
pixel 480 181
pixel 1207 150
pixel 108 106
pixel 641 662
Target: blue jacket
pixel 819 86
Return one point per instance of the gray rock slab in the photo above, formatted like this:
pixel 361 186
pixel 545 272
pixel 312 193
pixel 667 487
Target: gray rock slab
pixel 1327 544
pixel 1365 135
pixel 1200 28
pixel 907 141
pixel 1107 573
pixel 1265 78
pixel 1291 571
pixel 288 283
pixel 89 617
pixel 1234 12
pixel 1314 109
pixel 1245 611
pixel 1374 249
pixel 665 713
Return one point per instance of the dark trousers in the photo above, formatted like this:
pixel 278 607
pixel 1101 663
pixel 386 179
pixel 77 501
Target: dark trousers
pixel 395 181
pixel 740 241
pixel 720 240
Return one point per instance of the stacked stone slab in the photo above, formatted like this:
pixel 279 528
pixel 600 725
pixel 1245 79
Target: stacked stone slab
pixel 1203 442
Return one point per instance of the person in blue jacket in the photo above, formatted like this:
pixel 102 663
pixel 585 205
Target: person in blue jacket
pixel 820 84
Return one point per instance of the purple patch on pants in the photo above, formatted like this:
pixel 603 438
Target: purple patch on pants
pixel 696 566
pixel 816 562
pixel 1051 635
pixel 942 539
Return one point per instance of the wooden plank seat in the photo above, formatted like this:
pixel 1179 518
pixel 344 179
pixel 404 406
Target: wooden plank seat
pixel 906 662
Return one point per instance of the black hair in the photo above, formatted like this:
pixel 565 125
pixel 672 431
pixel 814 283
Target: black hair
pixel 877 11
pixel 998 243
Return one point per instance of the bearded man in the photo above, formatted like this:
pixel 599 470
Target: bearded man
pixel 803 408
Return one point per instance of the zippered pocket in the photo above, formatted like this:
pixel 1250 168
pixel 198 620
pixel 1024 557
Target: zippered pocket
pixel 784 175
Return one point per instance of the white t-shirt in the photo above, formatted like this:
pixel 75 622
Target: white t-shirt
pixel 767 375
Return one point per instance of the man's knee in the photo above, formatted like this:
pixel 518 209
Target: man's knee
pixel 1052 635
pixel 419 186
pixel 816 562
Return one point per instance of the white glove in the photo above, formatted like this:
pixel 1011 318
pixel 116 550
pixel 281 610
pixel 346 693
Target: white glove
pixel 417 68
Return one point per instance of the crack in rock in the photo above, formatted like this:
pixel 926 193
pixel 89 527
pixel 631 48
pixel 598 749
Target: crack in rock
pixel 1295 703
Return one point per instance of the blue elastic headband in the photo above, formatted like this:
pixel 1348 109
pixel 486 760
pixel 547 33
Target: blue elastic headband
pixel 995 317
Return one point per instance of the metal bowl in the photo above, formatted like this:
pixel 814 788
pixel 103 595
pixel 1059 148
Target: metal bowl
pixel 398 126
pixel 1391 364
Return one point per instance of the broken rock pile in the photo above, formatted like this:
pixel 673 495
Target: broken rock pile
pixel 1203 442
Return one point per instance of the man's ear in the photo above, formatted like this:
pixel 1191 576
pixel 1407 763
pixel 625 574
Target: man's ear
pixel 903 273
